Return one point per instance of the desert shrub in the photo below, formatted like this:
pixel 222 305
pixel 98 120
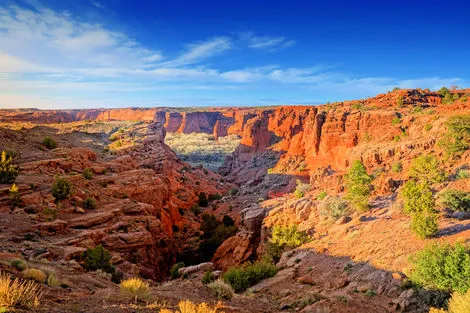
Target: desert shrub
pixel 427 168
pixel 61 188
pixel 448 99
pixel 240 278
pixel 228 221
pixel 221 289
pixel 442 267
pixel 273 252
pixel 397 167
pixel 187 306
pixel 424 224
pixel 14 197
pixel 18 294
pixel 203 201
pixel 459 302
pixel 117 277
pixel 358 186
pixel 49 143
pixel 301 189
pixel 334 208
pixel 213 197
pixel 49 214
pixel 196 210
pixel 89 204
pixel 135 288
pixel 19 264
pixel 233 191
pixel 462 174
pixel 322 195
pixel 52 280
pixel 417 197
pixel 174 271
pixel 88 173
pixel 98 258
pixel 443 91
pixel 207 278
pixel 35 274
pixel 457 138
pixel 454 199
pixel 400 101
pixel 8 171
pixel 396 120
pixel 288 236
pixel 427 127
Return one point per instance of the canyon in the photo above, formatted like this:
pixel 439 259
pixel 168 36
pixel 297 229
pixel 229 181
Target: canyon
pixel 148 217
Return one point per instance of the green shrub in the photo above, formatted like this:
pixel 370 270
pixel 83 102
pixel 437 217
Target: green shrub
pixel 401 101
pixel 221 289
pixel 35 274
pixel 443 91
pixel 462 174
pixel 174 270
pixel 8 171
pixel 418 197
pixel 233 191
pixel 448 99
pixel 61 188
pixel 334 208
pixel 18 263
pixel 228 221
pixel 14 197
pixel 424 224
pixel 322 195
pixel 454 199
pixel 397 167
pixel 288 236
pixel 208 277
pixel 358 186
pixel 427 127
pixel 89 204
pixel 98 258
pixel 203 201
pixel 240 278
pixel 49 143
pixel 88 173
pixel 213 197
pixel 427 168
pixel 117 277
pixel 301 189
pixel 442 267
pixel 396 120
pixel 457 138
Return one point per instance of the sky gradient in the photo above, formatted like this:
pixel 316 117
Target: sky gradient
pixel 119 53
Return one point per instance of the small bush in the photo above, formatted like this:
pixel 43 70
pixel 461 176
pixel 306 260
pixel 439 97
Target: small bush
pixel 207 278
pixel 196 210
pixel 322 195
pixel 233 191
pixel 443 91
pixel 221 289
pixel 427 168
pixel 35 274
pixel 462 174
pixel 424 224
pixel 49 143
pixel 8 171
pixel 454 199
pixel 358 183
pixel 52 280
pixel 89 204
pixel 49 214
pixel 18 294
pixel 396 121
pixel 460 302
pixel 401 101
pixel 334 208
pixel 174 270
pixel 288 236
pixel 117 277
pixel 417 197
pixel 240 278
pixel 98 258
pixel 19 264
pixel 61 188
pixel 14 197
pixel 228 221
pixel 457 138
pixel 397 167
pixel 203 201
pixel 135 288
pixel 213 197
pixel 88 173
pixel 427 127
pixel 190 307
pixel 301 189
pixel 442 267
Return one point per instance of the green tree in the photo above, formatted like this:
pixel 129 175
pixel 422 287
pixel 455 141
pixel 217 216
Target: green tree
pixel 427 168
pixel 424 224
pixel 457 138
pixel 358 183
pixel 8 171
pixel 443 91
pixel 98 258
pixel 418 197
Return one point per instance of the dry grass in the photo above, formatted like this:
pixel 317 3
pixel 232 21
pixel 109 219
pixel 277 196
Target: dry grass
pixel 36 274
pixel 221 289
pixel 135 288
pixel 458 303
pixel 15 293
pixel 187 306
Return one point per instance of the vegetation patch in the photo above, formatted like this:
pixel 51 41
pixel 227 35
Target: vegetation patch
pixel 358 183
pixel 247 275
pixel 18 294
pixel 8 171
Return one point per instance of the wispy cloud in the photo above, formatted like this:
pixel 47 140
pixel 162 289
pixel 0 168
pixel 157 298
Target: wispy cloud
pixel 267 42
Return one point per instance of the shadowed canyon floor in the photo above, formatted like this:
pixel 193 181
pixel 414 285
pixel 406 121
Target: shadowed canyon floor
pixel 134 196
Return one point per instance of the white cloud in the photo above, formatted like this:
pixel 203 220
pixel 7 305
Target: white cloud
pixel 267 42
pixel 195 53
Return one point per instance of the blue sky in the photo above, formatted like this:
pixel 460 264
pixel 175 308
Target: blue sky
pixel 121 53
